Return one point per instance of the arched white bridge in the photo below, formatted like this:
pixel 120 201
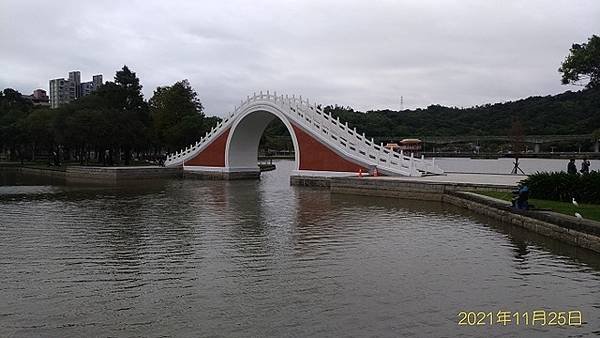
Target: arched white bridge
pixel 323 145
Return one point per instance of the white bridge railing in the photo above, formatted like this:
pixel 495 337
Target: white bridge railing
pixel 325 128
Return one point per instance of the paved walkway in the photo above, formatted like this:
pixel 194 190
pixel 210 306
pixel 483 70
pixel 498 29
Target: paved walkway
pixel 483 179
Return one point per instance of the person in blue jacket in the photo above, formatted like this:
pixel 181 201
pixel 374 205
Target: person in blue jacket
pixel 521 200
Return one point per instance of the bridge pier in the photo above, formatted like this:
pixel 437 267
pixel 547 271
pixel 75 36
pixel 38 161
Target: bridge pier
pixel 536 148
pixel 597 146
pixel 204 173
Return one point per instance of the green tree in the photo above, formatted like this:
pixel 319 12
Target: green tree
pixel 177 115
pixel 39 129
pixel 130 83
pixel 583 63
pixel 122 105
pixel 14 108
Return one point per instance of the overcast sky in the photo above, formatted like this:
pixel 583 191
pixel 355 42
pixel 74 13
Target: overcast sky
pixel 365 54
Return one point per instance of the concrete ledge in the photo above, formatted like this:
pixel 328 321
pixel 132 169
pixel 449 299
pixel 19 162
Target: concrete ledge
pixel 456 182
pixel 221 175
pixel 46 172
pixel 49 172
pixel 101 175
pixel 410 188
pixel 398 189
pixel 119 174
pixel 310 181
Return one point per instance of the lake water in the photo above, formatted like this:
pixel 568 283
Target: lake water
pixel 262 258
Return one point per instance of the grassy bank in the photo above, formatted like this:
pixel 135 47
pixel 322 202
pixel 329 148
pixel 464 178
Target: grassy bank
pixel 589 211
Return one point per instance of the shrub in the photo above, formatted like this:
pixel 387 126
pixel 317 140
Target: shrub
pixel 560 186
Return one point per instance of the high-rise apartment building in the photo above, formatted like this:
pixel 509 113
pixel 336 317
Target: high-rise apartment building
pixel 64 91
pixel 75 84
pixel 88 87
pixel 59 93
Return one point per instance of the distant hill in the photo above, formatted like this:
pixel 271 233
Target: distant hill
pixel 566 113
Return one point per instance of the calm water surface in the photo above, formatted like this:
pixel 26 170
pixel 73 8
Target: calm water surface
pixel 261 258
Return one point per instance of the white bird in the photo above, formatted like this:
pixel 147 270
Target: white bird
pixel 578 215
pixel 575 202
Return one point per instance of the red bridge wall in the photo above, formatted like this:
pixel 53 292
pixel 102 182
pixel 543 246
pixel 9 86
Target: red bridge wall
pixel 316 156
pixel 213 155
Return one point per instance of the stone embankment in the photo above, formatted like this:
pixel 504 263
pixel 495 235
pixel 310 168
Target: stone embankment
pixel 101 175
pixel 119 174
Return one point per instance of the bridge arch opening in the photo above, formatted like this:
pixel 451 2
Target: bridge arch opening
pixel 241 151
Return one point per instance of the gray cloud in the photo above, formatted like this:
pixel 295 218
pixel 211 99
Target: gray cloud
pixel 357 53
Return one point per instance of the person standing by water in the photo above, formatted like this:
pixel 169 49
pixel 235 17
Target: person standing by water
pixel 585 166
pixel 571 167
